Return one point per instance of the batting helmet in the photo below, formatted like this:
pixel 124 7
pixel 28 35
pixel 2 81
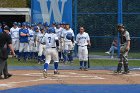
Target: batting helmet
pixel 69 36
pixel 51 30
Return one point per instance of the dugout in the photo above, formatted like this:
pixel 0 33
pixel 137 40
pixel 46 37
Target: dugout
pixel 10 15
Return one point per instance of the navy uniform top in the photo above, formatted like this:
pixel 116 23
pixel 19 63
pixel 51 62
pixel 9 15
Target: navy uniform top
pixel 23 39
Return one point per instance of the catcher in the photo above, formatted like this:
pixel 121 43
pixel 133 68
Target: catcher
pixel 124 49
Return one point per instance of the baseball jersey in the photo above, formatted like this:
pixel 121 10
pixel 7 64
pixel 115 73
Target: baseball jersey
pixel 65 32
pixel 14 32
pixel 50 40
pixel 82 39
pixel 31 33
pixel 40 37
pixel 59 32
pixel 125 37
pixel 23 39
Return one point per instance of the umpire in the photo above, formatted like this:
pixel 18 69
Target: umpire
pixel 124 49
pixel 5 41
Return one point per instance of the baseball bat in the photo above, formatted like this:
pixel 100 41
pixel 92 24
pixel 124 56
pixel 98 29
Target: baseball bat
pixel 88 59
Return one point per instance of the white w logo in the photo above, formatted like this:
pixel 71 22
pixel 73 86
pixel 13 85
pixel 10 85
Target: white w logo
pixel 54 8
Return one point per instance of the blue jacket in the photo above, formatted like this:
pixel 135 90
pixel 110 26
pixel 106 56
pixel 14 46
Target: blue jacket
pixel 23 39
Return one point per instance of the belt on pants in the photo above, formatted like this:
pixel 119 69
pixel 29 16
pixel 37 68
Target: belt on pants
pixel 83 46
pixel 43 43
pixel 51 47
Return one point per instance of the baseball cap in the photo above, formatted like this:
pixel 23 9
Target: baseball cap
pixel 15 23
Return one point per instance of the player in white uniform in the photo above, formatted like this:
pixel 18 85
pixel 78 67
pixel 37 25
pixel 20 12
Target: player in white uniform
pixel 52 44
pixel 68 36
pixel 31 41
pixel 42 45
pixel 14 32
pixel 83 40
pixel 59 31
pixel 36 43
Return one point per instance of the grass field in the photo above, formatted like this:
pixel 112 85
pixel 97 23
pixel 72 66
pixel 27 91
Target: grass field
pixel 132 55
pixel 93 62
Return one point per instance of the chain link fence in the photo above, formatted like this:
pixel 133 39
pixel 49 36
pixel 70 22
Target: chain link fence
pixel 99 17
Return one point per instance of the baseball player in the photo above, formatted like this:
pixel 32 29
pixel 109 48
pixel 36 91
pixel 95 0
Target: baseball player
pixel 52 43
pixel 68 36
pixel 23 38
pixel 14 32
pixel 124 49
pixel 59 31
pixel 42 45
pixel 36 43
pixel 83 41
pixel 31 40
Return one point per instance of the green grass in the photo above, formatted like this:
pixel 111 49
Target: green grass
pixel 93 62
pixel 105 62
pixel 130 55
pixel 15 62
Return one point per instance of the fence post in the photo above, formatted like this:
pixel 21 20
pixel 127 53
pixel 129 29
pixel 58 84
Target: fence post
pixel 120 21
pixel 75 23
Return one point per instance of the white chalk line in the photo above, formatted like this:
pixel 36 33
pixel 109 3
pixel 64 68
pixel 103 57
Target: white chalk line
pixel 64 75
pixel 129 74
pixel 57 77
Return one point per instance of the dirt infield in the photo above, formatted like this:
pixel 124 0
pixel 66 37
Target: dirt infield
pixel 23 78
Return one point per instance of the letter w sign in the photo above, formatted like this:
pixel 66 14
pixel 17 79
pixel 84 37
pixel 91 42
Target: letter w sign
pixel 51 11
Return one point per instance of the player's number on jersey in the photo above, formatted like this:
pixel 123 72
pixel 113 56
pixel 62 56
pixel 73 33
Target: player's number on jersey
pixel 49 38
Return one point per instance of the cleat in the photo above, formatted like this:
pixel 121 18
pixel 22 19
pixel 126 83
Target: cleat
pixel 56 72
pixel 85 69
pixel 117 72
pixel 45 74
pixel 7 76
pixel 80 68
pixel 125 72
